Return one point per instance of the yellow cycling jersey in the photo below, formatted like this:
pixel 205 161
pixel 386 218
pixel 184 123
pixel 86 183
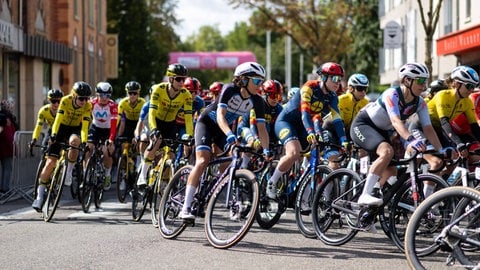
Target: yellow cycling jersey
pixel 445 104
pixel 349 108
pixel 45 115
pixel 127 111
pixel 68 115
pixel 165 108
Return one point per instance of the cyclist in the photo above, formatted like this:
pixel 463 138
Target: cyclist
pixel 374 125
pixel 167 99
pixel 70 125
pixel 214 124
pixel 215 90
pixel 129 110
pixel 293 91
pixel 103 128
pixel 142 129
pixel 315 99
pixel 46 114
pixel 434 87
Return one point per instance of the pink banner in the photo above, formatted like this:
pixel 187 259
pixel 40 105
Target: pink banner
pixel 211 60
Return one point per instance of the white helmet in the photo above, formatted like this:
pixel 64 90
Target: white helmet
pixel 358 79
pixel 104 88
pixel 249 69
pixel 292 92
pixel 413 70
pixel 465 74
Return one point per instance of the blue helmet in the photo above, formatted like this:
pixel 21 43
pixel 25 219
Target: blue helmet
pixel 465 74
pixel 358 79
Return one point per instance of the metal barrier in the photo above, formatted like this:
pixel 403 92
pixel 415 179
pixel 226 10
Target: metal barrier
pixel 24 168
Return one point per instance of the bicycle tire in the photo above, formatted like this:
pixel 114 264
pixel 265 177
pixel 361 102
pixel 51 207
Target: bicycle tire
pixel 229 218
pixel 40 166
pixel 75 186
pixel 402 207
pixel 415 240
pixel 158 190
pixel 170 225
pixel 304 200
pixel 333 225
pixel 269 210
pixel 87 188
pixel 141 198
pixel 54 192
pixel 122 177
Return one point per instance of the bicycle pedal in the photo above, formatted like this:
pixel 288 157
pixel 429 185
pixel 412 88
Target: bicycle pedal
pixel 189 222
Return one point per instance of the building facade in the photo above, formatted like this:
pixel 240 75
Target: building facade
pixel 48 44
pixel 456 40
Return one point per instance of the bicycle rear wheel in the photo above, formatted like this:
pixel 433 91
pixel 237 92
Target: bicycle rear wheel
pixel 41 164
pixel 428 221
pixel 269 210
pixel 122 176
pixel 166 176
pixel 87 187
pixel 231 209
pixel 335 214
pixel 170 225
pixel 76 180
pixel 54 192
pixel 402 208
pixel 304 201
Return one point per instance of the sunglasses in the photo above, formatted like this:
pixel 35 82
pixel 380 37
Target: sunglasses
pixel 179 79
pixel 336 79
pixel 54 101
pixel 361 88
pixel 469 86
pixel 104 95
pixel 421 81
pixel 132 93
pixel 83 98
pixel 256 81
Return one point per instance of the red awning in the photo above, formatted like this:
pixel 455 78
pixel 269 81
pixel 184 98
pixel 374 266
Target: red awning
pixel 460 41
pixel 211 60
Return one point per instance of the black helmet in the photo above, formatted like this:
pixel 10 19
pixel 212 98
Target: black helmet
pixel 133 86
pixel 175 70
pixel 82 89
pixel 104 88
pixel 436 86
pixel 54 94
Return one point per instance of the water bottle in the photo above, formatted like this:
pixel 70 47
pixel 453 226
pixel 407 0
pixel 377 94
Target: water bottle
pixel 453 176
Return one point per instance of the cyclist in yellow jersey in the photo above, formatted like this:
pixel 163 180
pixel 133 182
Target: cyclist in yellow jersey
pixel 46 114
pixel 447 105
pixel 167 99
pixel 129 110
pixel 72 119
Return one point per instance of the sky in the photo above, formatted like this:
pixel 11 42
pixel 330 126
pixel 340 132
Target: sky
pixel 197 13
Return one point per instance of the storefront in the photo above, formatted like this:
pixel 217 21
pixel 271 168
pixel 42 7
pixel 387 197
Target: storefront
pixel 464 44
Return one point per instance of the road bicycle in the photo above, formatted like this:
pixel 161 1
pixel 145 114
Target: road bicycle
pixel 94 179
pixel 158 178
pixel 55 188
pixel 126 172
pixel 228 200
pixel 338 217
pixel 448 222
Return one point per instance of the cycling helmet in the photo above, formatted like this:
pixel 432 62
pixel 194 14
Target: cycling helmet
pixel 82 89
pixel 104 88
pixel 358 79
pixel 174 70
pixel 133 86
pixel 272 87
pixel 436 86
pixel 292 92
pixel 54 94
pixel 413 70
pixel 465 74
pixel 216 87
pixel 192 84
pixel 330 68
pixel 249 69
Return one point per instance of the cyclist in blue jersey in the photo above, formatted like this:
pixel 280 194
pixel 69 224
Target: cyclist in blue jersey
pixel 214 123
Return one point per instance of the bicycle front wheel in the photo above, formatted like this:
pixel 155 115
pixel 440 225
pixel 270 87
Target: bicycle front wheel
pixel 231 209
pixel 431 220
pixel 122 176
pixel 41 164
pixel 88 185
pixel 269 210
pixel 54 192
pixel 166 175
pixel 170 225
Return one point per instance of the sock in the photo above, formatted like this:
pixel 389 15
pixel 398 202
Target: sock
pixel 428 190
pixel 327 192
pixel 70 168
pixel 108 171
pixel 40 191
pixel 276 176
pixel 245 160
pixel 370 182
pixel 144 165
pixel 189 193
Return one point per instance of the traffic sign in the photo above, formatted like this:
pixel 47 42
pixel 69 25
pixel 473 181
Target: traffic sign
pixel 392 35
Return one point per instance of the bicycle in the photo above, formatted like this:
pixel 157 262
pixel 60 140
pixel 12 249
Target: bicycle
pixel 338 217
pixel 55 188
pixel 94 178
pixel 230 197
pixel 126 172
pixel 158 177
pixel 454 230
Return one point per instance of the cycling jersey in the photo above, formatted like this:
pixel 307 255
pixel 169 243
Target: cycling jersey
pixel 128 111
pixel 105 116
pixel 45 115
pixel 445 104
pixel 165 108
pixel 197 107
pixel 68 115
pixel 249 120
pixel 349 107
pixel 144 117
pixel 475 97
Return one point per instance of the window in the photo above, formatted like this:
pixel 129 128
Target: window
pixel 468 10
pixel 91 15
pixel 47 78
pixel 75 9
pixel 448 22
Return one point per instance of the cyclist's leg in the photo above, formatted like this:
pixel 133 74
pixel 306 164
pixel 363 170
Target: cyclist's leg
pixel 72 156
